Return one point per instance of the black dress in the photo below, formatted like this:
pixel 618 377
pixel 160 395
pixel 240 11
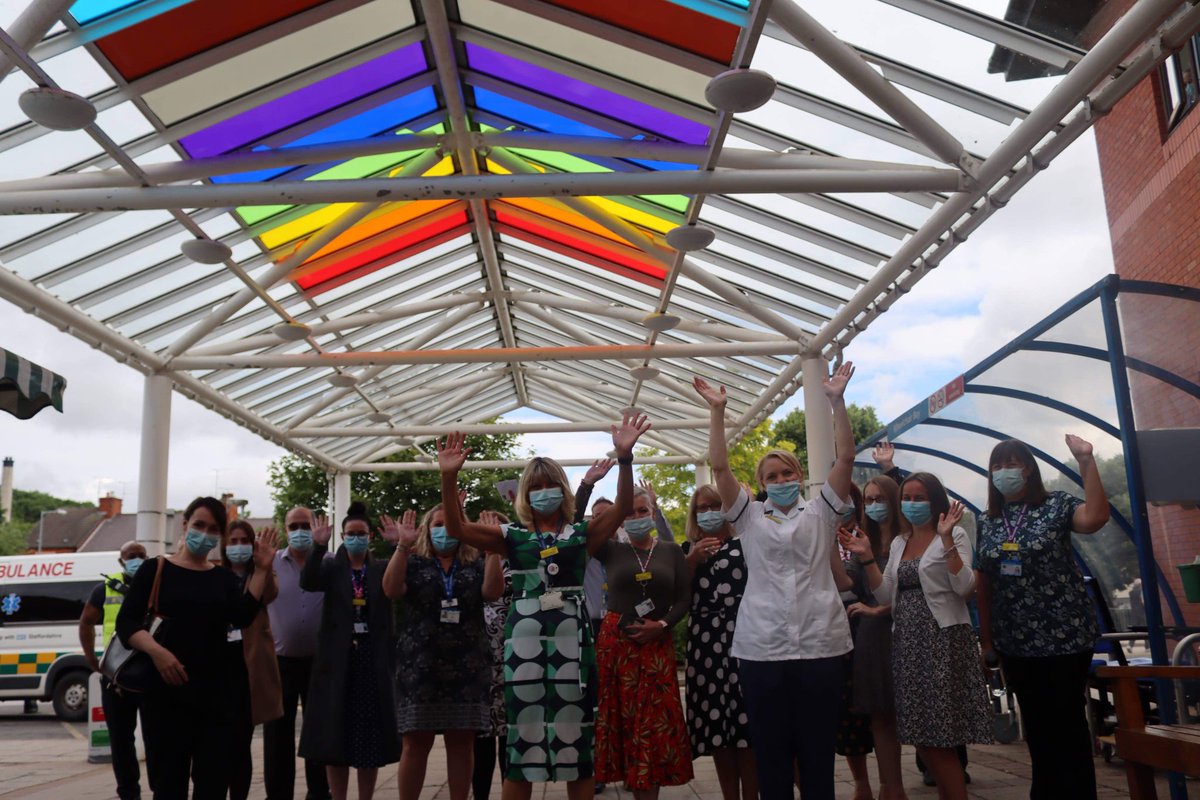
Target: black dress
pixel 716 715
pixel 443 674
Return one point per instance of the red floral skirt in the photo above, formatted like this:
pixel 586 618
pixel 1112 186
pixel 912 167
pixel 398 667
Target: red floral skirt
pixel 641 736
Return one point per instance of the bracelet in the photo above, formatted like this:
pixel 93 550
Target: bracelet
pixel 625 461
pixel 866 563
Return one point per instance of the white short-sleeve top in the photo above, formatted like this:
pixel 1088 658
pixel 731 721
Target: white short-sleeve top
pixel 791 608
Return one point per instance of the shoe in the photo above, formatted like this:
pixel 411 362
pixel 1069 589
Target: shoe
pixel 599 787
pixel 928 779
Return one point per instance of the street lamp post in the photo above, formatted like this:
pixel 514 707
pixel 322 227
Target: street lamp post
pixel 42 523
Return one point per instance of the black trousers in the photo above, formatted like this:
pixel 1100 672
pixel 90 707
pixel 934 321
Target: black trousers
pixel 120 717
pixel 187 734
pixel 488 751
pixel 279 739
pixel 1050 692
pixel 241 762
pixel 793 709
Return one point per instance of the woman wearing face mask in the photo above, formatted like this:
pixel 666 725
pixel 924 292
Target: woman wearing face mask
pixel 254 688
pixel 941 699
pixel 718 570
pixel 444 677
pixel 350 717
pixel 1034 611
pixel 872 623
pixel 189 717
pixel 549 659
pixel 792 634
pixel 640 733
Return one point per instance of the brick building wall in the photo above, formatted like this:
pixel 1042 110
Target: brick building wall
pixel 1152 195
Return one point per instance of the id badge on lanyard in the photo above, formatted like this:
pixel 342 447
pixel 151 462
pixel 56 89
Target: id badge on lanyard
pixel 1010 550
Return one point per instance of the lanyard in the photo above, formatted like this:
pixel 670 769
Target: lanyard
pixel 643 566
pixel 448 579
pixel 1014 527
pixel 548 539
pixel 358 582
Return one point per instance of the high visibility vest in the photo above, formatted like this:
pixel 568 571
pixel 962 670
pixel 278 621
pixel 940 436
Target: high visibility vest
pixel 115 588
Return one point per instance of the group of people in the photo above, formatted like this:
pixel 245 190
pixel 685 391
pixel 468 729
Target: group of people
pixel 545 643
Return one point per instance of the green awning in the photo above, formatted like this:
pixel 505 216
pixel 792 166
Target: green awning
pixel 26 388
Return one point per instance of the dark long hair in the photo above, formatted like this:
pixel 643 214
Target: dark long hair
pixel 939 501
pixel 1014 450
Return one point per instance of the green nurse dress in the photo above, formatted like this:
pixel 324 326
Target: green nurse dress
pixel 549 658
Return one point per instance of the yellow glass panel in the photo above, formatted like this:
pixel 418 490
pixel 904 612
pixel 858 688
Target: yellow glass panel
pixel 393 214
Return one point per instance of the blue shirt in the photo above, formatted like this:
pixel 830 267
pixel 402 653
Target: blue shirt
pixel 1044 611
pixel 295 614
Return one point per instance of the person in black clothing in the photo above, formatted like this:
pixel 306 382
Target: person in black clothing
pixel 350 717
pixel 120 708
pixel 188 717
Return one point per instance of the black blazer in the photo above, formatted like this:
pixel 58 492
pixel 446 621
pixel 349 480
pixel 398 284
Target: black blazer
pixel 323 737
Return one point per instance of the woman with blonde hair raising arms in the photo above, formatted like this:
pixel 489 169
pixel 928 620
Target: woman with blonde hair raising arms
pixel 791 632
pixel 549 653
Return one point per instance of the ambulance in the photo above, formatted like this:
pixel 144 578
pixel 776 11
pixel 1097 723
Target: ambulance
pixel 41 600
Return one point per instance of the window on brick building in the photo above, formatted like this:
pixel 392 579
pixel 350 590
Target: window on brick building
pixel 1180 75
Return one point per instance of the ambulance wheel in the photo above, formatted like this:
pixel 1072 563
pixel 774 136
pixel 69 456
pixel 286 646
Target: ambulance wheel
pixel 71 696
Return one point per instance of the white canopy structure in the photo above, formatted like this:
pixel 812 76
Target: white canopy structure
pixel 351 225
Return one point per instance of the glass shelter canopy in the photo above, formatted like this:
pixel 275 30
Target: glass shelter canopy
pixel 350 225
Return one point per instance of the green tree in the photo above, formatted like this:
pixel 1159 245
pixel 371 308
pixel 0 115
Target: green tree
pixel 674 483
pixel 294 482
pixel 863 420
pixel 28 505
pixel 14 537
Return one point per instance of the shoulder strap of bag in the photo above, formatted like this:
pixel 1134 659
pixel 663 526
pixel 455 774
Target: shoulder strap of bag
pixel 152 606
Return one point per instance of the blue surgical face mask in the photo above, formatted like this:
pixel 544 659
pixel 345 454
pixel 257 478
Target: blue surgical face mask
pixel 356 543
pixel 916 512
pixel 1009 481
pixel 546 501
pixel 132 564
pixel 239 553
pixel 784 494
pixel 639 527
pixel 876 511
pixel 710 521
pixel 442 541
pixel 200 543
pixel 300 539
pixel 848 514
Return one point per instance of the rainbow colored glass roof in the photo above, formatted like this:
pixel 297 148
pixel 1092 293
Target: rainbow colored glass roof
pixel 249 96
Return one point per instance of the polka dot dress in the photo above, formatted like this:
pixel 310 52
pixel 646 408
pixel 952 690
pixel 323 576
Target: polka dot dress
pixel 716 715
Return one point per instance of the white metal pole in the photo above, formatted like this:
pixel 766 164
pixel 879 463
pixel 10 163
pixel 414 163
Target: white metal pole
pixel 480 187
pixel 487 428
pixel 703 474
pixel 152 468
pixel 341 505
pixel 425 466
pixel 818 425
pixel 29 28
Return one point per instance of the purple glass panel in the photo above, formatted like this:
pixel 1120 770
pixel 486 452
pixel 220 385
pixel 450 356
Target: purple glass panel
pixel 302 104
pixel 584 95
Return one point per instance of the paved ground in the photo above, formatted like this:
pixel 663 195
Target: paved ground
pixel 42 758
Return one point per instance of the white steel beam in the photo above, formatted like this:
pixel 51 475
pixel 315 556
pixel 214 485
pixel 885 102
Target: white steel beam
pixel 429 466
pixel 844 60
pixel 31 25
pixel 490 428
pixel 486 355
pixel 153 464
pixel 480 187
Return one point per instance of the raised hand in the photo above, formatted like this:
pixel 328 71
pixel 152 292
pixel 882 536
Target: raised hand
pixel 322 530
pixel 854 542
pixel 1081 449
pixel 835 384
pixel 947 521
pixel 597 471
pixel 626 436
pixel 266 542
pixel 462 496
pixel 715 397
pixel 649 493
pixel 490 518
pixel 704 549
pixel 452 452
pixel 389 529
pixel 883 454
pixel 406 531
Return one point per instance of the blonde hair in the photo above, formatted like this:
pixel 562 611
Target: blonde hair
pixel 786 456
pixel 424 546
pixel 543 470
pixel 693 531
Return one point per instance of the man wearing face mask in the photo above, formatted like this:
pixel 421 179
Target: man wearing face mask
pixel 295 620
pixel 120 710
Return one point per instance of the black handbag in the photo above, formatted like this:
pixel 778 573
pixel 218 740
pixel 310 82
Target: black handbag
pixel 133 670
